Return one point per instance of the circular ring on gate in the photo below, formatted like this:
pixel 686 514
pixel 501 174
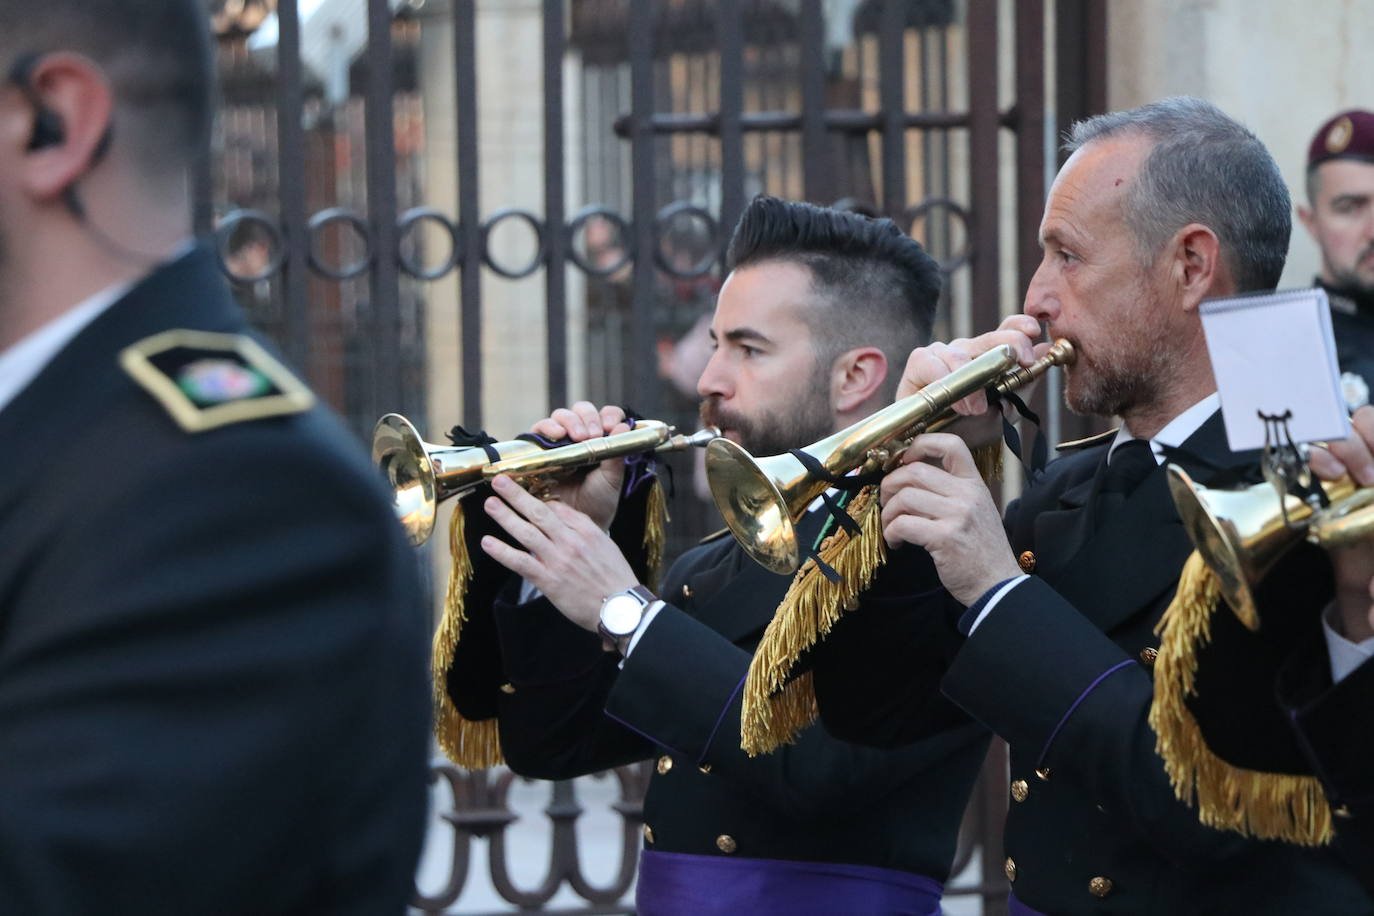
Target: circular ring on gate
pixel 227 228
pixel 339 215
pixel 622 230
pixel 408 221
pixel 922 210
pixel 663 223
pixel 541 248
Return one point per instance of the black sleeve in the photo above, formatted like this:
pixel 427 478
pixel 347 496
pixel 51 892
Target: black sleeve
pixel 1046 679
pixel 877 674
pixel 681 689
pixel 1335 726
pixel 527 648
pixel 552 716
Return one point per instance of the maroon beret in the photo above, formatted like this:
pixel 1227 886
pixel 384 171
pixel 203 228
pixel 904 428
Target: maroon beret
pixel 1349 135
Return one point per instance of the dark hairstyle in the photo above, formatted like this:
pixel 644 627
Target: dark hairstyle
pixel 1204 168
pixel 877 285
pixel 157 55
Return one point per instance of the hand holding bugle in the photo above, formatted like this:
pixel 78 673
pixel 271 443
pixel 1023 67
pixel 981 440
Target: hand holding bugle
pixel 761 499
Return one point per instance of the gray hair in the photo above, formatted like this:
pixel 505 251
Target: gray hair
pixel 1204 167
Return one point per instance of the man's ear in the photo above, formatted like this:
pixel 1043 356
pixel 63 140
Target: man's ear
pixel 1307 217
pixel 856 376
pixel 1196 265
pixel 65 104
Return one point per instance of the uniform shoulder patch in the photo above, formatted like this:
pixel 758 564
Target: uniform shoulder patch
pixel 1077 445
pixel 206 379
pixel 714 536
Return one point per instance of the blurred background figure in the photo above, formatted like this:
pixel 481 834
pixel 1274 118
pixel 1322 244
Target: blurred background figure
pixel 1340 216
pixel 212 637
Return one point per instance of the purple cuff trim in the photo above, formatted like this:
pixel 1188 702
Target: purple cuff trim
pixel 1081 697
pixel 721 718
pixel 645 735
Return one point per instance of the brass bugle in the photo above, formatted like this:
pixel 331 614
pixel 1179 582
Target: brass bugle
pixel 761 499
pixel 1243 533
pixel 422 474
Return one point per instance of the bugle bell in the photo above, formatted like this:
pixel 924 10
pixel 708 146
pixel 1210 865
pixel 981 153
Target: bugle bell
pixel 422 474
pixel 1241 534
pixel 761 499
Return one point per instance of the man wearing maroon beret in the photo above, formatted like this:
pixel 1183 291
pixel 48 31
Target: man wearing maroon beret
pixel 1340 216
pixel 1327 686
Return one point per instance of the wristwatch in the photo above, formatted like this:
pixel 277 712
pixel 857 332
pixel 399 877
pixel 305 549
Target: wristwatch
pixel 621 614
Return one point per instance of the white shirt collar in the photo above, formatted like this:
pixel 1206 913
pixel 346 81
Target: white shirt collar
pixel 1176 431
pixel 22 362
pixel 1345 655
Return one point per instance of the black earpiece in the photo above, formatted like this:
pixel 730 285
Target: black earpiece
pixel 47 130
pixel 47 124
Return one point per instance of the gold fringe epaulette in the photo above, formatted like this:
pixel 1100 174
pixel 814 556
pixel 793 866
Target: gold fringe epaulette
pixel 774 708
pixel 475 745
pixel 1269 806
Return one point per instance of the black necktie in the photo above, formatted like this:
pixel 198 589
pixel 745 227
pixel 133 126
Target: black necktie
pixel 1130 464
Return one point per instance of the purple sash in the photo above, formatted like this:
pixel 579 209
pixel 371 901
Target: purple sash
pixel 678 884
pixel 1017 908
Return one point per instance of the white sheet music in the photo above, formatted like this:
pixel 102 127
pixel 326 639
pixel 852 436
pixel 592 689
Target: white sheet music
pixel 1275 353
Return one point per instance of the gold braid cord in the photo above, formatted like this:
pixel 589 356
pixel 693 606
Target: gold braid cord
pixel 475 745
pixel 775 709
pixel 1270 806
pixel 988 458
pixel 655 532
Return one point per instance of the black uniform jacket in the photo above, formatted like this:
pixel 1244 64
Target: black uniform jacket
pixel 1353 328
pixel 1061 669
pixel 573 710
pixel 212 647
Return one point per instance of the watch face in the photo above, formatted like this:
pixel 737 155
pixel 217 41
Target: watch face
pixel 620 614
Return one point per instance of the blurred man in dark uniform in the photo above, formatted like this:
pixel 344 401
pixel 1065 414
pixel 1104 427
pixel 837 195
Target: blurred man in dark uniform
pixel 1156 210
pixel 817 306
pixel 212 693
pixel 1340 215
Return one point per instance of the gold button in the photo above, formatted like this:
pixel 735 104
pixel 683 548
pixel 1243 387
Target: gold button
pixel 1100 887
pixel 726 843
pixel 508 688
pixel 1019 790
pixel 686 590
pixel 665 763
pixel 1148 656
pixel 648 834
pixel 705 768
pixel 1343 812
pixel 1026 561
pixel 1043 774
pixel 1010 869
